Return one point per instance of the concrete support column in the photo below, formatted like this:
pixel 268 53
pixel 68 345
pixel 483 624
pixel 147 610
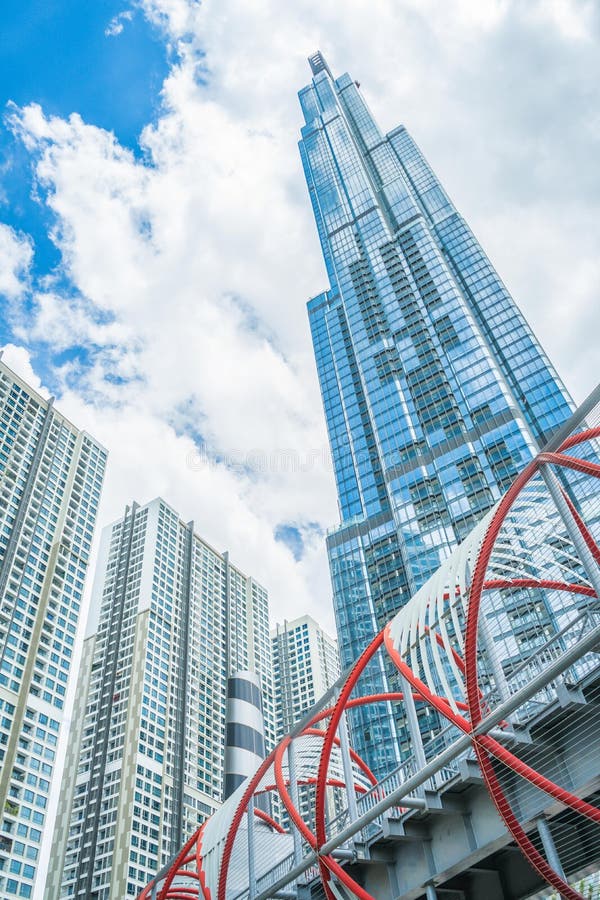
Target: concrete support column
pixel 549 846
pixel 430 891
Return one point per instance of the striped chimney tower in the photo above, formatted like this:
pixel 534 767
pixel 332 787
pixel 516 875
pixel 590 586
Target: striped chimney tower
pixel 245 730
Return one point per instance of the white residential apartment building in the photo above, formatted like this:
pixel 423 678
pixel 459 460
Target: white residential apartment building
pixel 50 480
pixel 173 618
pixel 305 664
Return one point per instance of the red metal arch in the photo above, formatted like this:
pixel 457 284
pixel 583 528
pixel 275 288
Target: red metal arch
pixel 483 745
pixel 466 716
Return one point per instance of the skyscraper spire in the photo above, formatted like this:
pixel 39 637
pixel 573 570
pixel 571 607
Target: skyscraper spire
pixel 318 63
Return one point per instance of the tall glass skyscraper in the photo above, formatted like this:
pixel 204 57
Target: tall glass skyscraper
pixel 436 392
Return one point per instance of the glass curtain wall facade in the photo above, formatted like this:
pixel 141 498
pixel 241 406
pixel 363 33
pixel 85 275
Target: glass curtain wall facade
pixel 173 618
pixel 435 390
pixel 50 481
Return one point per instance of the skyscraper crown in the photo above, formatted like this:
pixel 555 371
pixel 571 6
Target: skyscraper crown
pixel 318 63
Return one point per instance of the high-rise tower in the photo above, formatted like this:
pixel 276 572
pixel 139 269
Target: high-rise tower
pixel 171 619
pixel 50 480
pixel 435 390
pixel 305 665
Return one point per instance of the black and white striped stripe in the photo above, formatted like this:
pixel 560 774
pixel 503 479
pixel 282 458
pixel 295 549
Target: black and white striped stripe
pixel 245 730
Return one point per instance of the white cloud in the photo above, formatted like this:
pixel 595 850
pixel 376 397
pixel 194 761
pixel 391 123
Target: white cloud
pixel 572 18
pixel 117 23
pixel 190 267
pixel 16 254
pixel 18 359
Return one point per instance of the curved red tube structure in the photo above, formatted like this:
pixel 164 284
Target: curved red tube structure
pixel 450 644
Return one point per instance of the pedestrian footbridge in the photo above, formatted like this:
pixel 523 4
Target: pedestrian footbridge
pixel 502 798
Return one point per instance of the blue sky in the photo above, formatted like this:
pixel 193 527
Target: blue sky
pixel 57 53
pixel 157 246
